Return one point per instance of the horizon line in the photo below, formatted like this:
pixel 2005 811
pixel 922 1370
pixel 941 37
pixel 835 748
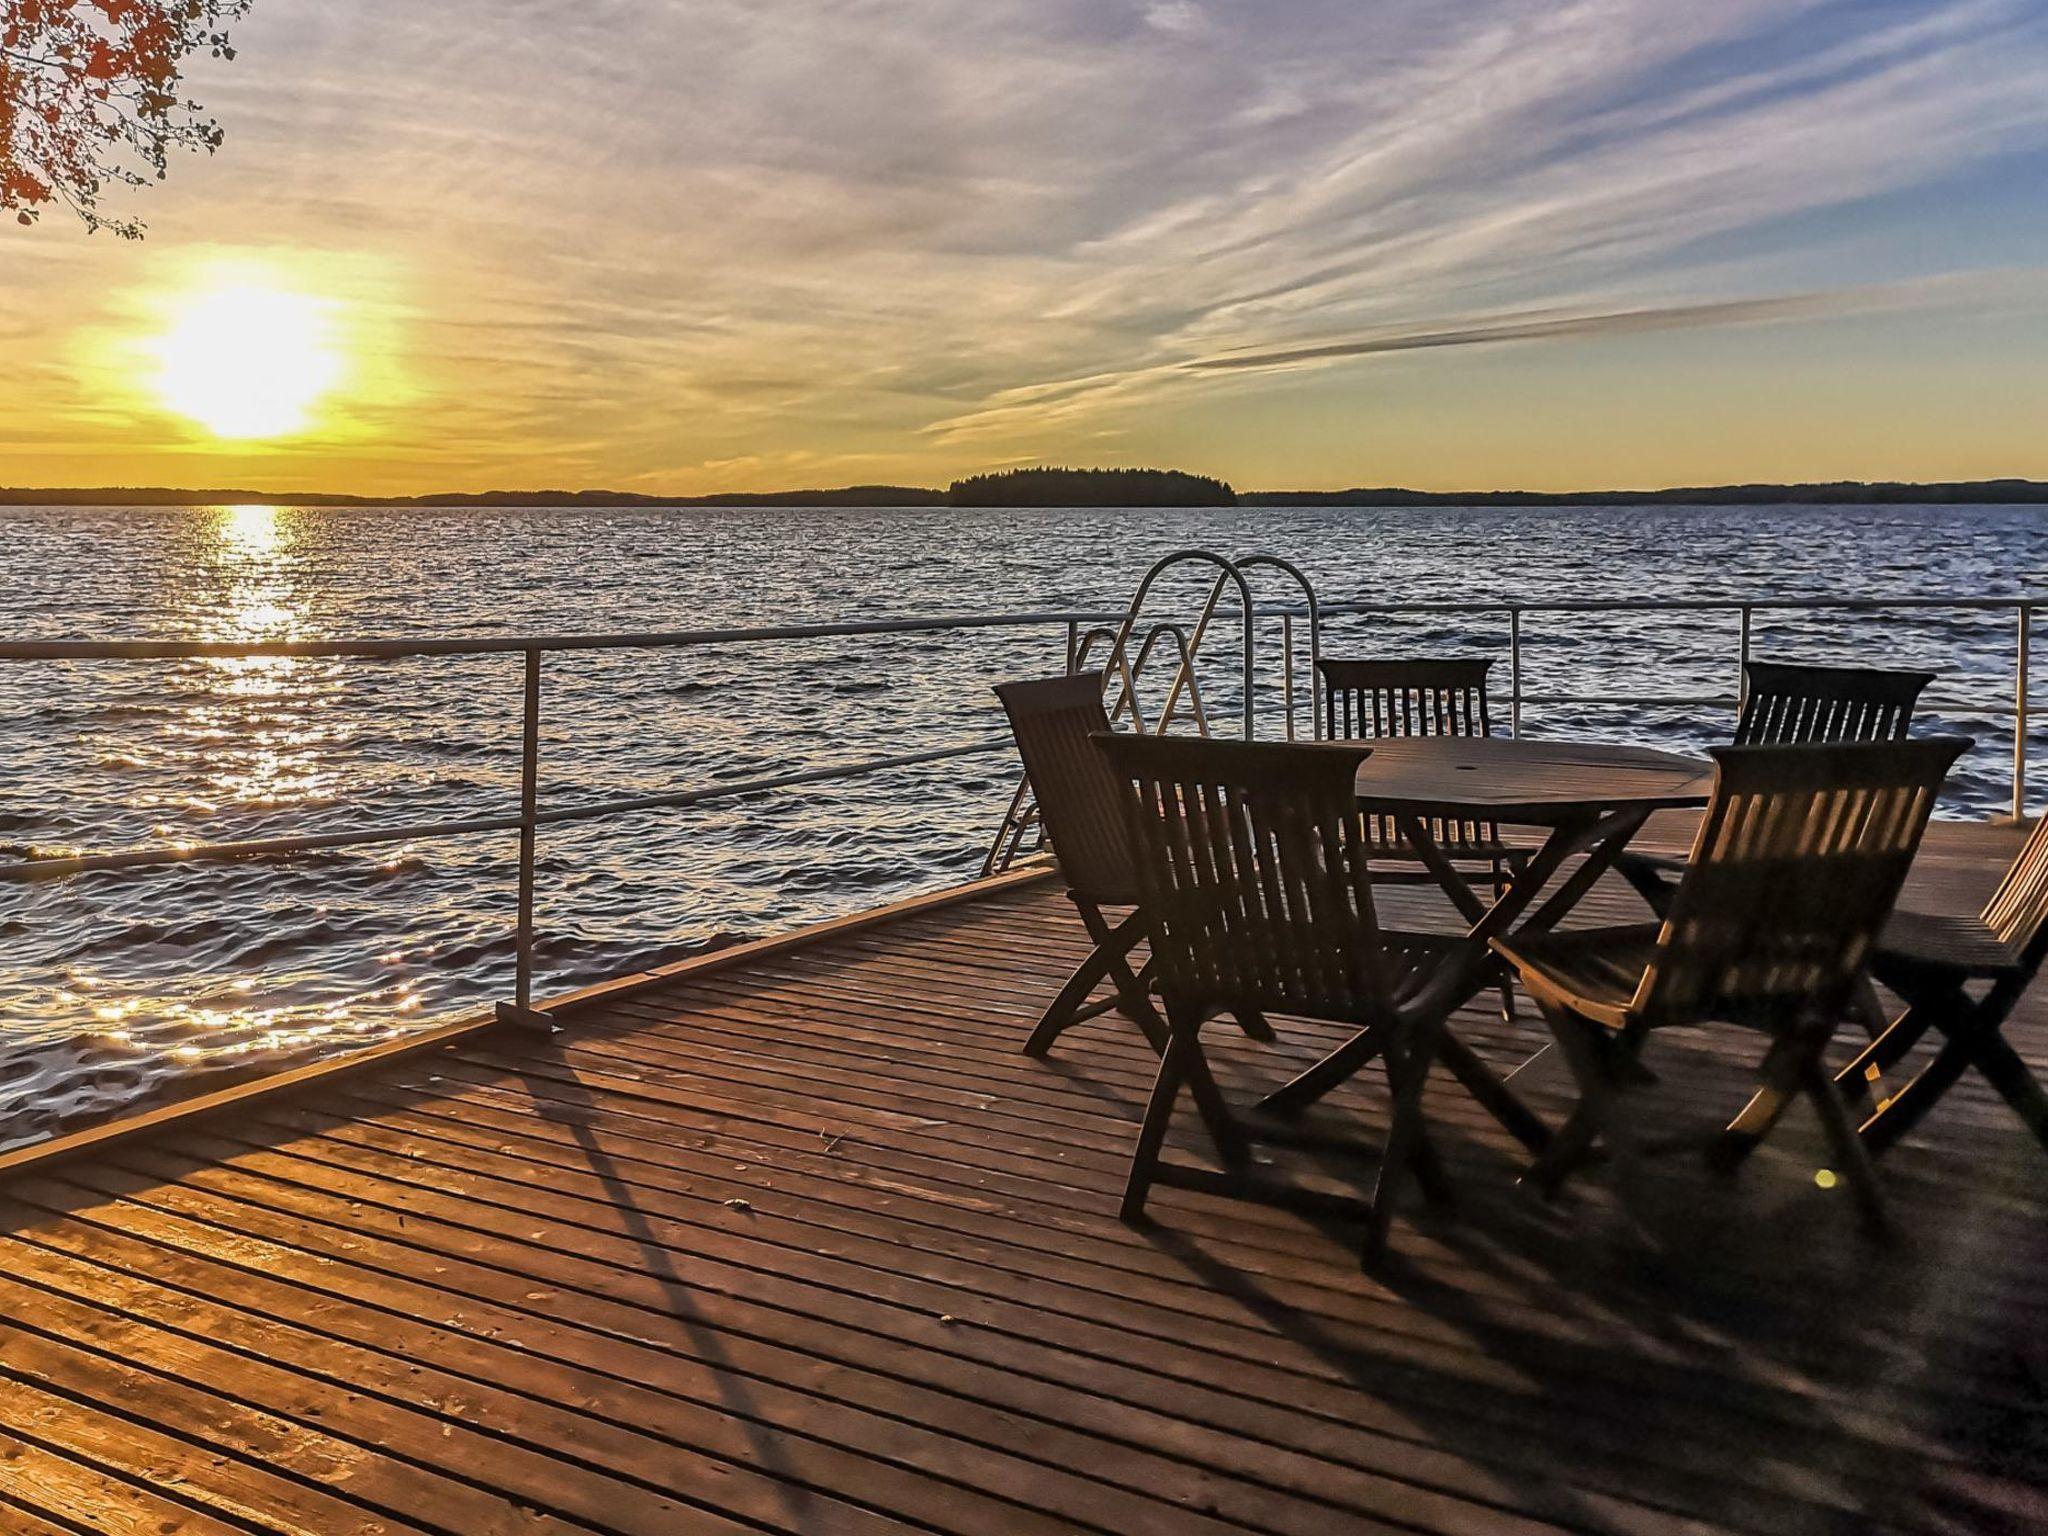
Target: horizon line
pixel 882 495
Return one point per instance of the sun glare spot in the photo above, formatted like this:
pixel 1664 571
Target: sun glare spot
pixel 248 358
pixel 250 531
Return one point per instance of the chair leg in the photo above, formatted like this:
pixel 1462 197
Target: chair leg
pixel 1152 1134
pixel 1133 990
pixel 1909 1106
pixel 2009 1075
pixel 1059 1013
pixel 1112 945
pixel 1867 1008
pixel 1232 1145
pixel 1573 1143
pixel 1655 888
pixel 1774 1095
pixel 1254 1024
pixel 1313 1082
pixel 1846 1145
pixel 1883 1053
pixel 1405 1141
pixel 1507 977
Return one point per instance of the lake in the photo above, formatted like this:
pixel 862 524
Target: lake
pixel 115 985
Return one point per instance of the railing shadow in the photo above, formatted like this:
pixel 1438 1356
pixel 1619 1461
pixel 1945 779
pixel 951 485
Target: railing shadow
pixel 659 1260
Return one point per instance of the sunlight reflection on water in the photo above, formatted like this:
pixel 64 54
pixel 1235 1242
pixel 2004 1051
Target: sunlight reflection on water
pixel 113 983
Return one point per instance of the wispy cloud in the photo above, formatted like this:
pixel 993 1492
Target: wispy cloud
pixel 1873 298
pixel 642 237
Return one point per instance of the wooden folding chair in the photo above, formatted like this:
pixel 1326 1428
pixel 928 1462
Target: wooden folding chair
pixel 1794 703
pixel 1787 703
pixel 1251 859
pixel 1427 696
pixel 1080 806
pixel 1932 963
pixel 1795 868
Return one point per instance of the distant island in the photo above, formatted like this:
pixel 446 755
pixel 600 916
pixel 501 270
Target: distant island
pixel 1056 487
pixel 1090 488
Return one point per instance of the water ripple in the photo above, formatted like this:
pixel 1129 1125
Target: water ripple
pixel 118 986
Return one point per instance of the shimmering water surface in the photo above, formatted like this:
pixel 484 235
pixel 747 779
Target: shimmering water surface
pixel 116 986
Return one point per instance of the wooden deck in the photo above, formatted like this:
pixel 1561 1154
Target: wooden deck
pixel 805 1245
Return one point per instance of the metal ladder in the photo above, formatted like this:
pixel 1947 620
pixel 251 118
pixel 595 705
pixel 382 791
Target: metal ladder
pixel 1134 645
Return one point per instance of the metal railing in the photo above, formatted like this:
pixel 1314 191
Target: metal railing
pixel 532 815
pixel 1123 671
pixel 2020 606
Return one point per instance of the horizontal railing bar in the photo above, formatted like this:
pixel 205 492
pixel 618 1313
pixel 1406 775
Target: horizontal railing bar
pixel 492 645
pixel 684 797
pixel 1729 701
pixel 481 645
pixel 131 858
pixel 360 837
pixel 2003 605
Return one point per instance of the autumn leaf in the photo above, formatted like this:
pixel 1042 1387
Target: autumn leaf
pixel 89 98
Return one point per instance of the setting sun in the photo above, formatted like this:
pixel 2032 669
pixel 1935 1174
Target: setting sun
pixel 248 358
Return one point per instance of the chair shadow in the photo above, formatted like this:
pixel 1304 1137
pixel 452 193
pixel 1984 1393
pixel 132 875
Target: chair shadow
pixel 1760 1317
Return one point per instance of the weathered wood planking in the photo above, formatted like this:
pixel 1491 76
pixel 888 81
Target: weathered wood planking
pixel 803 1243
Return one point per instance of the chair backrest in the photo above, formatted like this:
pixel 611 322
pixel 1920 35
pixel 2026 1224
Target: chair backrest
pixel 1252 869
pixel 1424 697
pixel 2018 909
pixel 1786 702
pixel 1797 863
pixel 1079 801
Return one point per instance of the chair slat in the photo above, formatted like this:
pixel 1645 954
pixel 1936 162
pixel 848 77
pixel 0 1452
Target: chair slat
pixel 1791 702
pixel 1079 802
pixel 1429 696
pixel 1253 867
pixel 1797 863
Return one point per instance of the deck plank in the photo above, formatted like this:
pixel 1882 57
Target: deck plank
pixel 805 1244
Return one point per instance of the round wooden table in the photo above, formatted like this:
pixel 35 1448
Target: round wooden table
pixel 1590 797
pixel 1526 781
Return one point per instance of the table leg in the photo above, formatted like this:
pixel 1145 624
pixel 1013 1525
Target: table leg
pixel 1600 839
pixel 1446 874
pixel 1614 834
pixel 1494 1095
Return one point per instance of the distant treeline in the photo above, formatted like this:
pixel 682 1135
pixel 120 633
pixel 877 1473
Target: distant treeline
pixel 1072 488
pixel 1090 488
pixel 1827 492
pixel 165 496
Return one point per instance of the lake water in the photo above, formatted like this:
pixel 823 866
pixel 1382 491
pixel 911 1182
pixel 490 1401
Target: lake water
pixel 117 986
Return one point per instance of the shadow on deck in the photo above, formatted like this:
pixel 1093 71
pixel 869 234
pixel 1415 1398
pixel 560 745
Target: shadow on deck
pixel 806 1245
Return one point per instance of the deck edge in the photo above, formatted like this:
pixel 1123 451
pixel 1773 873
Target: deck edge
pixel 796 938
pixel 43 1154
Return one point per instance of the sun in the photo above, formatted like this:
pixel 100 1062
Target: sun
pixel 248 358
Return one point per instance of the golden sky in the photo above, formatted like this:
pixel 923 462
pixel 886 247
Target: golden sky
pixel 715 244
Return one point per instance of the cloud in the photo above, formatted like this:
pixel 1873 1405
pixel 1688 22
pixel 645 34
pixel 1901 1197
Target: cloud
pixel 1175 16
pixel 701 232
pixel 1821 304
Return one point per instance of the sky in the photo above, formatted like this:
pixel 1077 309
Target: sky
pixel 683 246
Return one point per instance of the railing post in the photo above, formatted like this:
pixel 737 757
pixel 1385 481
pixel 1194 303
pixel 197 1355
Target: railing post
pixel 1515 672
pixel 2022 659
pixel 1742 665
pixel 1073 646
pixel 521 1010
pixel 1287 667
